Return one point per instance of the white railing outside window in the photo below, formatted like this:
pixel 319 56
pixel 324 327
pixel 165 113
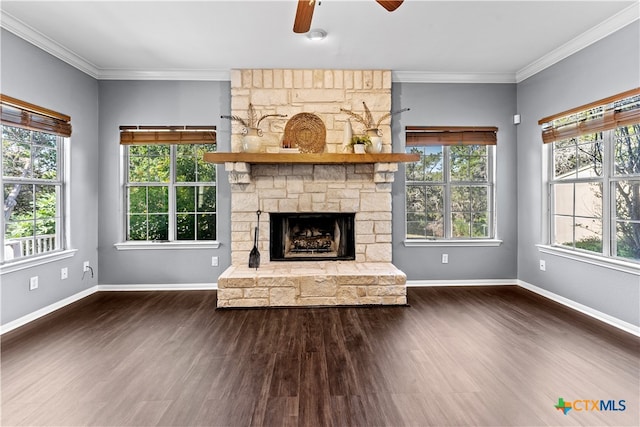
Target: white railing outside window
pixel 28 246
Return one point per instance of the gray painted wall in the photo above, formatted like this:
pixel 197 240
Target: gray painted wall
pixel 34 76
pixel 460 105
pixel 605 68
pixel 158 103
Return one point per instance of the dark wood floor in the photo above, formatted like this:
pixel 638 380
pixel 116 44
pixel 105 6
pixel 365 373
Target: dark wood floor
pixel 498 356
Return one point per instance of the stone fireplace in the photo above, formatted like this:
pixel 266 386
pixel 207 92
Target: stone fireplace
pixel 325 229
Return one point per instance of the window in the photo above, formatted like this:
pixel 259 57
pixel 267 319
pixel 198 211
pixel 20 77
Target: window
pixel 450 190
pixel 594 181
pixel 170 191
pixel 32 180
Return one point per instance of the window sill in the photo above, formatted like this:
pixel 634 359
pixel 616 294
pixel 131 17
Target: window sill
pixel 453 242
pixel 601 261
pixel 12 266
pixel 142 246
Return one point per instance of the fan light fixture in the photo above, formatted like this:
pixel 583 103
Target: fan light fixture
pixel 316 34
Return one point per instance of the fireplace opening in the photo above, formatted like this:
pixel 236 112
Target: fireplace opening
pixel 312 236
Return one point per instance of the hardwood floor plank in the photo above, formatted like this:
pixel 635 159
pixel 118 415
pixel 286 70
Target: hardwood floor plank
pixel 343 380
pixel 285 381
pixel 454 357
pixel 282 411
pixel 314 406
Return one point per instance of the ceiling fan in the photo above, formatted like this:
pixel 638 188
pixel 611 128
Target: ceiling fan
pixel 304 13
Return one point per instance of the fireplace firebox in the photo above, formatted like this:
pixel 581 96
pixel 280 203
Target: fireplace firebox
pixel 312 236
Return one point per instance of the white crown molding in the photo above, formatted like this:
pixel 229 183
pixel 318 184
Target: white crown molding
pixel 453 77
pixel 43 42
pixel 204 75
pixel 600 31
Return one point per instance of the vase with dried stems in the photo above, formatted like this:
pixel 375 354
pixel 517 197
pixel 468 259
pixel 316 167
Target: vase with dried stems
pixel 372 127
pixel 251 132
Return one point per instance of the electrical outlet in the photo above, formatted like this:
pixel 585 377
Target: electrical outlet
pixel 543 265
pixel 85 266
pixel 445 258
pixel 64 273
pixel 33 283
pixel 214 261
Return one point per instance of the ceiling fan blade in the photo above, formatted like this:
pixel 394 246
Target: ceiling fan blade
pixel 390 5
pixel 304 13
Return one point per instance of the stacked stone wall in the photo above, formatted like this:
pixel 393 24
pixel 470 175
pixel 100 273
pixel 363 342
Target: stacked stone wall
pixel 321 92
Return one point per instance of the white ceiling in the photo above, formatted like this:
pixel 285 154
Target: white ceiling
pixel 489 41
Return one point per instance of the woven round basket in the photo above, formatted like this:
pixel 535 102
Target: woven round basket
pixel 305 131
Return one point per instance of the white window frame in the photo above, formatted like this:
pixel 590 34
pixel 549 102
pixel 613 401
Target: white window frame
pixel 603 117
pixel 608 218
pixel 61 238
pixel 447 184
pixel 172 184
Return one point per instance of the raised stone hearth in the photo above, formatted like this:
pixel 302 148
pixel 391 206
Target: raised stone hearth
pixel 312 283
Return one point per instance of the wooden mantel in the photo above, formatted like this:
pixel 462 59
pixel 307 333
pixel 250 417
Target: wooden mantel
pixel 310 158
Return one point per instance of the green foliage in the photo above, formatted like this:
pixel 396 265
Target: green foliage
pixel 30 208
pixel 154 227
pixel 592 244
pixel 193 189
pixel 28 220
pixel 360 139
pixel 467 188
pixel 149 163
pixel 468 163
pixel 625 250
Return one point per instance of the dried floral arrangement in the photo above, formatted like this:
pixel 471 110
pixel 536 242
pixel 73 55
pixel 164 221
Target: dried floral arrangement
pixel 252 120
pixel 367 118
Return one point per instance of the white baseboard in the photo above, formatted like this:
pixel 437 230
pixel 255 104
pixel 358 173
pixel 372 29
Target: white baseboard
pixel 46 310
pixel 482 282
pixel 603 317
pixel 160 287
